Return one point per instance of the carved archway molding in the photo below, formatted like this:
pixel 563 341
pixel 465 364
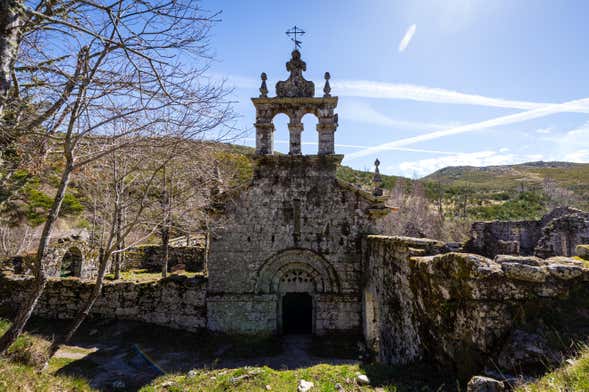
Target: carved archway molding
pixel 297 270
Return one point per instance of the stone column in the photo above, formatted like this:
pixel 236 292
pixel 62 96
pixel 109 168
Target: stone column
pixel 264 138
pixel 295 130
pixel 326 138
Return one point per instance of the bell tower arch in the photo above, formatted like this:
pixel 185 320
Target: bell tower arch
pixel 295 97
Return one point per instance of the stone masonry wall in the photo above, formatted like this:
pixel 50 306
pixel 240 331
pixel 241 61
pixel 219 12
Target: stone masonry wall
pixel 466 310
pixel 295 224
pixel 176 302
pixel 556 234
pixel 192 257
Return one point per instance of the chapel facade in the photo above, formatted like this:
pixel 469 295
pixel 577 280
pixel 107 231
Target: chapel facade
pixel 289 255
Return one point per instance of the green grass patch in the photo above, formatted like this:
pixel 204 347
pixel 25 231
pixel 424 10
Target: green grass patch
pixel 572 377
pixel 144 275
pixel 19 371
pixel 325 377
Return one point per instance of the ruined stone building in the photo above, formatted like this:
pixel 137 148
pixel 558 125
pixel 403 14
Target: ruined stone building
pixel 289 258
pixel 297 253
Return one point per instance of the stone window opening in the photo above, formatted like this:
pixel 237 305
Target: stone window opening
pixel 71 263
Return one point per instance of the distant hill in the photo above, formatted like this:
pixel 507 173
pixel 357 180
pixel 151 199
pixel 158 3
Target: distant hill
pixel 563 182
pixel 573 176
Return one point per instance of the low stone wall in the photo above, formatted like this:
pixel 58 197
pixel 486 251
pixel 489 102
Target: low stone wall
pixel 176 302
pixel 150 257
pixel 466 310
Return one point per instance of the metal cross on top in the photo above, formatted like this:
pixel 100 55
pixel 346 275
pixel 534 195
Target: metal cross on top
pixel 293 32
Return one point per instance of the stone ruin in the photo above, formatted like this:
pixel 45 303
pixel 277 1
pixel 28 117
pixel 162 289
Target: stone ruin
pixel 299 253
pixel 67 256
pixel 555 234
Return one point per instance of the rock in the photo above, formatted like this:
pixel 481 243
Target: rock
pixel 564 260
pixel 167 384
pixel 192 373
pixel 582 251
pixel 362 379
pixel 118 385
pixel 305 386
pixel 526 351
pixel 484 384
pixel 527 273
pixel 268 388
pixel 507 247
pixel 527 260
pixel 338 387
pixel 565 271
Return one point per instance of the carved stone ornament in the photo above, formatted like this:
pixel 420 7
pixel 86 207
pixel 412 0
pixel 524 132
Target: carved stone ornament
pixel 296 85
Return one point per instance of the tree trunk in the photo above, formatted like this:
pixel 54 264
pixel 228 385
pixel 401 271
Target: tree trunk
pixel 166 249
pixel 165 226
pixel 26 309
pixel 10 25
pixel 85 311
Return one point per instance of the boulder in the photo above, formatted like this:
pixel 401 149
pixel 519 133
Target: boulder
pixel 484 384
pixel 305 386
pixel 527 273
pixel 582 251
pixel 525 351
pixel 362 379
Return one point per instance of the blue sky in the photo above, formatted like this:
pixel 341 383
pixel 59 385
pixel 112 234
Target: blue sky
pixel 422 84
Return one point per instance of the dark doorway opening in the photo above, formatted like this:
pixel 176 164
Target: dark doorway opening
pixel 297 313
pixel 71 263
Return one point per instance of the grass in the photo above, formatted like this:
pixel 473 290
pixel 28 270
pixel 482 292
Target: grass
pixel 15 376
pixel 19 370
pixel 143 275
pixel 572 377
pixel 324 377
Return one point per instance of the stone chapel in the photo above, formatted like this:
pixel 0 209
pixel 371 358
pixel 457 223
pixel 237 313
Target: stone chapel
pixel 289 257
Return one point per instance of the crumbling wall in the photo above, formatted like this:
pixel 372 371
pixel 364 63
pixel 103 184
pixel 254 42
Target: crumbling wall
pixel 544 237
pixel 176 302
pixel 87 268
pixel 463 309
pixel 190 258
pixel 561 235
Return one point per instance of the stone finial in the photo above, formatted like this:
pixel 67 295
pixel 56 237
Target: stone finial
pixel 377 180
pixel 264 88
pixel 327 87
pixel 296 85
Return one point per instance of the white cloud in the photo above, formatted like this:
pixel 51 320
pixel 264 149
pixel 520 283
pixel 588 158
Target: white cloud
pixel 383 90
pixel 544 131
pixel 580 156
pixel 480 158
pixel 411 92
pixel 407 38
pixel 546 110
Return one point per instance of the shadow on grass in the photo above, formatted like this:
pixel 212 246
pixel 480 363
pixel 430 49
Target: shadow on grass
pixel 136 353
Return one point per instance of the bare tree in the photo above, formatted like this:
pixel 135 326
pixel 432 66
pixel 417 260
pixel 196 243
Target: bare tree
pixel 115 80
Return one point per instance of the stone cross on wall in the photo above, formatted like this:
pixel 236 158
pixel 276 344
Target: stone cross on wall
pixel 295 97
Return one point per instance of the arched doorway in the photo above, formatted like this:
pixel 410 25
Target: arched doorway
pixel 298 278
pixel 71 263
pixel 297 313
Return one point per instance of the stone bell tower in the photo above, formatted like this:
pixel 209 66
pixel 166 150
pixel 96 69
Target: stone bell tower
pixel 295 97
